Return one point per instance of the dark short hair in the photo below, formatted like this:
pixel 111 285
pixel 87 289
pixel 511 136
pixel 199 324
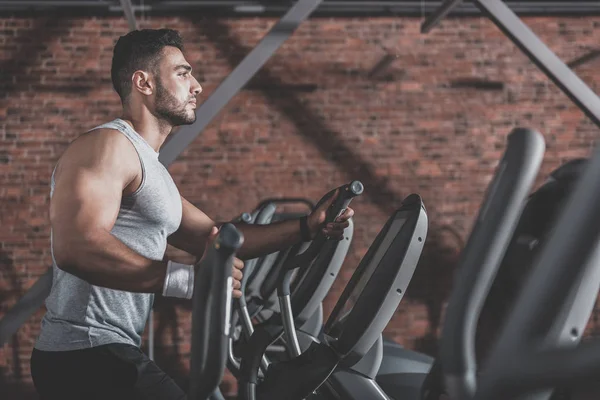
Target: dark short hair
pixel 139 50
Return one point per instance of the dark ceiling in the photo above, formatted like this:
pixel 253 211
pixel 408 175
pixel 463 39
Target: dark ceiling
pixel 258 7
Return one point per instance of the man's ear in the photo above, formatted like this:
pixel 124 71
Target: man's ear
pixel 142 82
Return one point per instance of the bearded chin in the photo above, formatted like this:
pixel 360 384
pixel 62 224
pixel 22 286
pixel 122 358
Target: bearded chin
pixel 175 117
pixel 169 109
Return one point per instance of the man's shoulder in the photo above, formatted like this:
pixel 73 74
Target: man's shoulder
pixel 98 146
pixel 100 134
pixel 100 138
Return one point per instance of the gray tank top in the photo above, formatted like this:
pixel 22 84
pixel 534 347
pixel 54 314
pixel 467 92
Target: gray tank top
pixel 80 315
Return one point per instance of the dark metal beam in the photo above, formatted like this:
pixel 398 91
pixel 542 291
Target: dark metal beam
pixel 249 66
pixel 537 51
pixel 128 10
pixel 434 19
pixel 52 3
pixel 382 65
pixel 586 58
pixel 414 8
pixel 526 40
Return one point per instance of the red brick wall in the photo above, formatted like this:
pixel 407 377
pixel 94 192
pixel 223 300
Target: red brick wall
pixel 406 131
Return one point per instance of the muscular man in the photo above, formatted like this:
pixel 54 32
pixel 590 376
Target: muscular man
pixel 121 232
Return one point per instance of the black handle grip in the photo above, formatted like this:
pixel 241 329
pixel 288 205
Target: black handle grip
pixel 346 194
pixel 229 239
pixel 338 207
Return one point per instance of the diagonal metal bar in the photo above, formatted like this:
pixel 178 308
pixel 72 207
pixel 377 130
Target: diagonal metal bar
pixel 238 78
pixel 25 307
pixel 434 19
pixel 128 10
pixel 545 59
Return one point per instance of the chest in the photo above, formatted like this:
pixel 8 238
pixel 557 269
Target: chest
pixel 156 201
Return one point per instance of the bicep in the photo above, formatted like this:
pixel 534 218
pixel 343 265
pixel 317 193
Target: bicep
pixel 84 201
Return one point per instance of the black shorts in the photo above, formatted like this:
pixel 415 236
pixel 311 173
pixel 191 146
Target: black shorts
pixel 111 372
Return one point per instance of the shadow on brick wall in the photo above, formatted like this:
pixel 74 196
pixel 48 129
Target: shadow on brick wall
pixel 443 243
pixel 310 125
pixel 17 391
pixel 28 45
pixel 432 281
pixel 13 384
pixel 13 293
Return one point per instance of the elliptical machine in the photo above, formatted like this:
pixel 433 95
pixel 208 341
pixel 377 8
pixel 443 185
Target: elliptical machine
pixel 541 333
pixel 537 222
pixel 351 335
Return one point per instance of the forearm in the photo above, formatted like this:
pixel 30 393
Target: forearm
pixel 260 240
pixel 193 243
pixel 105 261
pixel 180 256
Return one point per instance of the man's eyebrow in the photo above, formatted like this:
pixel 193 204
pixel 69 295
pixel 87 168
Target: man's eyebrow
pixel 183 66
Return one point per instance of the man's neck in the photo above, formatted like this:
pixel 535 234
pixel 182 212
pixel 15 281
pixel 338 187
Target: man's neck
pixel 153 130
